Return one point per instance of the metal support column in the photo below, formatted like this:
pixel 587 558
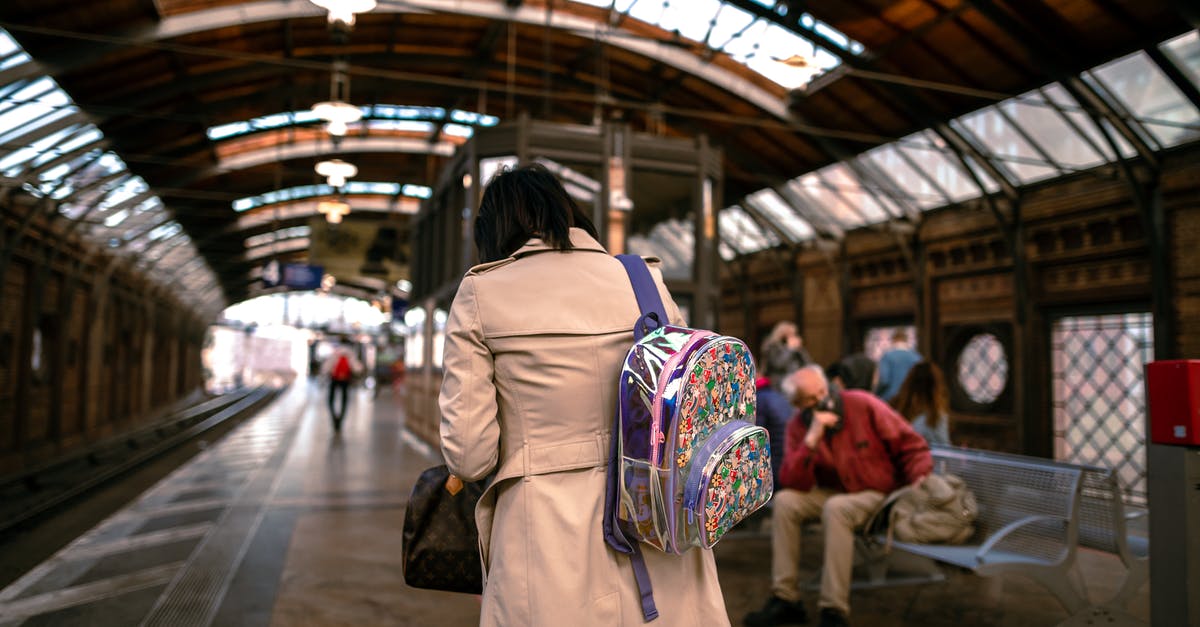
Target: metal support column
pixel 705 269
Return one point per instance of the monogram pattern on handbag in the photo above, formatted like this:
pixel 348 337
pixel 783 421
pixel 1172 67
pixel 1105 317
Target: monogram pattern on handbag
pixel 441 542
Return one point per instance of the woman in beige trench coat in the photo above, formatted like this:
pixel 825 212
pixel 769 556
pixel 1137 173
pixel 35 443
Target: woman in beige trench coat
pixel 534 345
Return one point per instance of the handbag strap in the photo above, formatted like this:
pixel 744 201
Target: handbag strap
pixel 648 299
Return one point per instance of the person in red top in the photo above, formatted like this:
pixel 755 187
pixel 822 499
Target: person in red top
pixel 845 451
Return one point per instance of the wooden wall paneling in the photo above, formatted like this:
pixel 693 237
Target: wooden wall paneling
pixel 12 348
pixel 823 316
pixel 1184 227
pixel 147 332
pixel 74 356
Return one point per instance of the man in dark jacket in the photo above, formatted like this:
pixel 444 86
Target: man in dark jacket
pixel 773 413
pixel 844 453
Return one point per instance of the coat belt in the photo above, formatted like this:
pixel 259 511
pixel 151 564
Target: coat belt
pixel 529 461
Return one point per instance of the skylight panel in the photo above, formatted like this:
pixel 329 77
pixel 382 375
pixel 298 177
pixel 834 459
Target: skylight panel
pixel 165 231
pixel 378 116
pixel 730 21
pixel 1003 141
pixel 116 218
pixel 845 196
pixel 412 126
pixel 1064 144
pixel 742 233
pixel 84 135
pixel 1146 92
pixel 10 163
pixel 774 208
pixel 745 44
pixel 310 191
pixel 691 18
pixel 911 185
pixel 417 191
pixel 1184 50
pixel 778 45
pixel 476 119
pixel 458 130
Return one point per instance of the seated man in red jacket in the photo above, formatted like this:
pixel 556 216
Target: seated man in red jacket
pixel 845 452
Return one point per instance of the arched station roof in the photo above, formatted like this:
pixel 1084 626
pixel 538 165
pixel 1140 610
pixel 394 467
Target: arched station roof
pixel 147 121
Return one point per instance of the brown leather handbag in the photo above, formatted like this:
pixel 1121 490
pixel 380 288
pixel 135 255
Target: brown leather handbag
pixel 441 542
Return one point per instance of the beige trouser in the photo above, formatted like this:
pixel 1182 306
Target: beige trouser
pixel 841 514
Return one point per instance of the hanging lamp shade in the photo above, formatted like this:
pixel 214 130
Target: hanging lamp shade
pixel 334 210
pixel 344 10
pixel 338 114
pixel 336 171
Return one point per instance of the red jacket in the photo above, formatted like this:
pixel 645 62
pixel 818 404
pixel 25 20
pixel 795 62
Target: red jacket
pixel 875 449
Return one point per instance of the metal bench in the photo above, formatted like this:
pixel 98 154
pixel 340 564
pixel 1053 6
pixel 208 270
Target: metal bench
pixel 1033 515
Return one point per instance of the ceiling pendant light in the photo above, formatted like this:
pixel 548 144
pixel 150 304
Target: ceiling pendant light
pixel 342 11
pixel 337 111
pixel 334 210
pixel 338 114
pixel 336 171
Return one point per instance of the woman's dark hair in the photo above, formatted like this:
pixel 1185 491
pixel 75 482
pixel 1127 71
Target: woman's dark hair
pixel 523 203
pixel 923 392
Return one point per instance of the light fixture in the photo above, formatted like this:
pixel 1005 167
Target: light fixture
pixel 336 171
pixel 333 210
pixel 338 111
pixel 338 114
pixel 343 10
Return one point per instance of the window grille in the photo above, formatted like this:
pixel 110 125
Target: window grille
pixel 1099 396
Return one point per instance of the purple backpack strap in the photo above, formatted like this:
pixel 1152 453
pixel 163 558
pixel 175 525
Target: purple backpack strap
pixel 644 288
pixel 653 316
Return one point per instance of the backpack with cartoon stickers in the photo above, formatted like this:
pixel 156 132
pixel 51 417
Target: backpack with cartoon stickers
pixel 687 461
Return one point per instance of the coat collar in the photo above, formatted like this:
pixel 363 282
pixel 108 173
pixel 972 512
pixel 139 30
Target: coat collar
pixel 580 240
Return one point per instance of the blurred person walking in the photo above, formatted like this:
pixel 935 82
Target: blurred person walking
pixel 340 368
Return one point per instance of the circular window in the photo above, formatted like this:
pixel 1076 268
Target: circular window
pixel 983 368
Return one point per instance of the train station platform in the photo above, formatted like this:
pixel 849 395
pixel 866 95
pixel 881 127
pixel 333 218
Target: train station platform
pixel 284 522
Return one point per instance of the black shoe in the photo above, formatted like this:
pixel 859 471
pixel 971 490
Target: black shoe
pixel 777 612
pixel 833 618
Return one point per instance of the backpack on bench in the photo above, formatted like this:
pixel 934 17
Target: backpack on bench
pixel 687 461
pixel 941 510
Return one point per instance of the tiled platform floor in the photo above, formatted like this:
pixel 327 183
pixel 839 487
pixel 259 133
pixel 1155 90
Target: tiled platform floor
pixel 284 523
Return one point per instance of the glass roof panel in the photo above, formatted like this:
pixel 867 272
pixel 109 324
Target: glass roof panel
pixel 84 136
pixel 1151 97
pixel 756 42
pixel 382 188
pixel 911 186
pixel 930 154
pixel 59 158
pixel 1184 50
pixel 13 163
pixel 741 232
pixel 1004 143
pixel 774 208
pixel 376 116
pixel 853 205
pixel 1053 134
pixel 691 19
pixel 1070 108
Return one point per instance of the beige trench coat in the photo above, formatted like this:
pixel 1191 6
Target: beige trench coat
pixel 534 347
